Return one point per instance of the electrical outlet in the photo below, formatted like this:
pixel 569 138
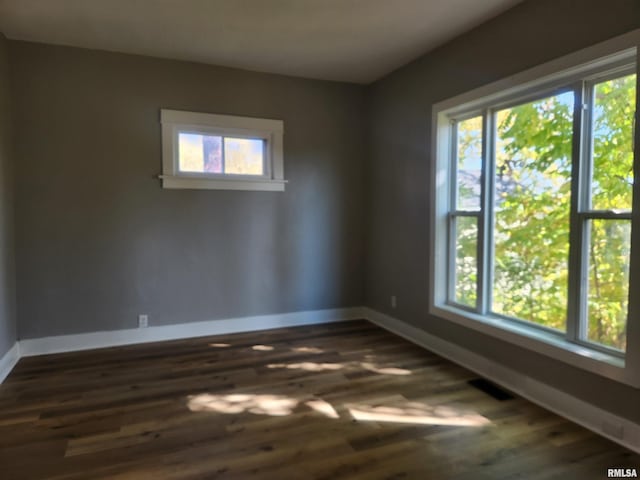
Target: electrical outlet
pixel 394 301
pixel 143 321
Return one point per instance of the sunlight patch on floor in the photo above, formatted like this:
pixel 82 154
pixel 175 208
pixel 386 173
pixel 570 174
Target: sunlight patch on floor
pixel 274 405
pixel 262 348
pixel 385 370
pixel 307 350
pixel 319 367
pixel 307 366
pixel 418 414
pixel 325 408
pixel 258 404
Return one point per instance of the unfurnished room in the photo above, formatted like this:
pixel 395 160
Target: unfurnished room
pixel 319 239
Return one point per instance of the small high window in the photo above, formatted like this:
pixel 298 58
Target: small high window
pixel 207 151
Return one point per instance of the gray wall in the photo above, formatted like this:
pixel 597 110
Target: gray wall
pixel 400 126
pixel 7 271
pixel 99 240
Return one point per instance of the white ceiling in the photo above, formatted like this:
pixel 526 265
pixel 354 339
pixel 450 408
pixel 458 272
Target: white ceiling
pixel 346 40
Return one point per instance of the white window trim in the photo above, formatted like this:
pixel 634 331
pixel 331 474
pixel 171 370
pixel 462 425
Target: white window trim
pixel 272 131
pixel 548 76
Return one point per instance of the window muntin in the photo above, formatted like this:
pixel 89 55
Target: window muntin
pixel 559 167
pixel 209 151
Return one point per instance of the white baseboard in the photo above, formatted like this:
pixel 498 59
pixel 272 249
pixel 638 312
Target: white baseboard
pixel 602 422
pixel 114 338
pixel 9 360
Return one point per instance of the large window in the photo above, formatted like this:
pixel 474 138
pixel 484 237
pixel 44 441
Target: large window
pixel 221 152
pixel 533 213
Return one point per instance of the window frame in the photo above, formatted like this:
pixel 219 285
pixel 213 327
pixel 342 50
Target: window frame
pixel 569 73
pixel 270 131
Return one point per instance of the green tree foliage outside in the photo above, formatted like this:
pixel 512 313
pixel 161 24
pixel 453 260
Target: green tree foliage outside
pixel 532 211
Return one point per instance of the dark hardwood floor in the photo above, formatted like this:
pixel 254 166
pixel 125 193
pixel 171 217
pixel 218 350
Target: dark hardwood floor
pixel 338 401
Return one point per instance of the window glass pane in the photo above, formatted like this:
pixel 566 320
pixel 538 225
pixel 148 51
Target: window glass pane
pixel 613 111
pixel 199 153
pixel 244 156
pixel 532 208
pixel 608 291
pixel 469 163
pixel 466 274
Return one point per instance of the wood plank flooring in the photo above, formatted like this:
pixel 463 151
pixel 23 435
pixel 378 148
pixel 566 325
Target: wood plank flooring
pixel 337 401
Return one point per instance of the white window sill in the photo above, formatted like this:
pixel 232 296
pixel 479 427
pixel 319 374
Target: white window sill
pixel 199 183
pixel 542 342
